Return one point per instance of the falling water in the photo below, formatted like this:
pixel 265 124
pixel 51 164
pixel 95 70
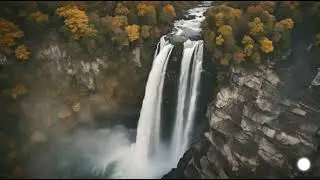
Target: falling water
pixel 148 132
pixel 150 156
pixel 195 84
pixel 183 119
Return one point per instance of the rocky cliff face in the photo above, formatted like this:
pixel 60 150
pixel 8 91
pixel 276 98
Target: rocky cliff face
pixel 65 85
pixel 256 132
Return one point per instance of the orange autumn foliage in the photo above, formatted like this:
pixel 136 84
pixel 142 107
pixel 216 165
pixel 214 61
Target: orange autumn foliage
pixel 266 45
pixel 76 20
pixel 145 9
pixel 118 21
pixel 133 32
pixel 256 26
pixel 170 10
pixel 284 25
pixel 225 30
pixel 22 52
pixel 9 33
pixel 39 17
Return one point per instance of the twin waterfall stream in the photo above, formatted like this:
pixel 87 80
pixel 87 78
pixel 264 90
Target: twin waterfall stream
pixel 151 156
pixel 149 145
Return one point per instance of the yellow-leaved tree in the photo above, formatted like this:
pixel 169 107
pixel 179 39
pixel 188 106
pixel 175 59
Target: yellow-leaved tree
pixel 283 25
pixel 266 45
pixel 145 9
pixel 22 52
pixel 219 40
pixel 256 26
pixel 133 32
pixel 76 20
pixel 147 12
pixel 248 31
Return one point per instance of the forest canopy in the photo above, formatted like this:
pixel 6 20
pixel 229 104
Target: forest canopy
pixel 123 23
pixel 252 32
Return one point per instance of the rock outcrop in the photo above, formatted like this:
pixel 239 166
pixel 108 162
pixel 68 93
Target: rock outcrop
pixel 255 132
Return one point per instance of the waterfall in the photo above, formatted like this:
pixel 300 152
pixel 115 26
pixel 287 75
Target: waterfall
pixel 160 46
pixel 195 85
pixel 151 156
pixel 148 132
pixel 150 150
pixel 185 111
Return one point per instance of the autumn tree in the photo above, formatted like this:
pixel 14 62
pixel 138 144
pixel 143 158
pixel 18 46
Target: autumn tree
pixel 133 32
pixel 167 14
pixel 39 17
pixel 9 33
pixel 248 31
pixel 256 26
pixel 121 10
pixel 22 52
pixel 145 31
pixel 76 20
pixel 147 13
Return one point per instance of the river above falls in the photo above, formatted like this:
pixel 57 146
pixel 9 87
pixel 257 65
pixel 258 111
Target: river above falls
pixel 190 26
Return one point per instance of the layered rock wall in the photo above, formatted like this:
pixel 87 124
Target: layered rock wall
pixel 254 132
